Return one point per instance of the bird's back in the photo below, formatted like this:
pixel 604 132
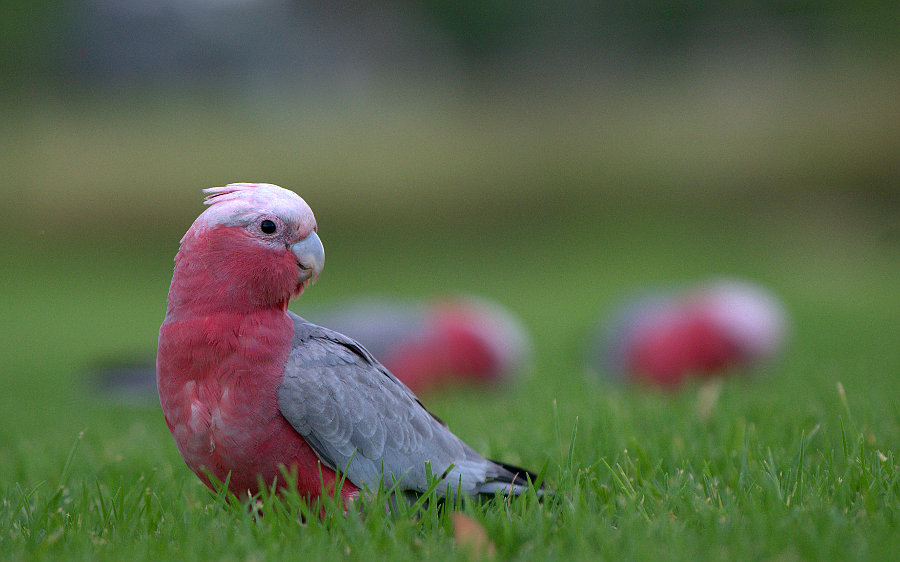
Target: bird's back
pixel 360 419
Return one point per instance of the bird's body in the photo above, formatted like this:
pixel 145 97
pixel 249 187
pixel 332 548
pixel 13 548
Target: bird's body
pixel 668 338
pixel 249 389
pixel 226 419
pixel 452 341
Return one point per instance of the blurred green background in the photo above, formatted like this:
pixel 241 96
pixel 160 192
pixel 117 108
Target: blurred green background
pixel 551 157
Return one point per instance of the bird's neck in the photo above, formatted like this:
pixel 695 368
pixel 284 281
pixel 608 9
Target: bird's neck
pixel 222 276
pixel 225 343
pixel 196 295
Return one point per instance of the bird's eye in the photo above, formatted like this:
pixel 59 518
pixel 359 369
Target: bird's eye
pixel 268 227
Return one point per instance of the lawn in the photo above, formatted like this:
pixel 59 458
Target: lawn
pixel 796 462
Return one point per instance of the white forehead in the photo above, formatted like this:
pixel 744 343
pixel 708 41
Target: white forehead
pixel 237 202
pixel 751 313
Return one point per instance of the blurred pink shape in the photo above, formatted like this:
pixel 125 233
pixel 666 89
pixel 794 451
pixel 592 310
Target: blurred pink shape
pixel 431 345
pixel 703 331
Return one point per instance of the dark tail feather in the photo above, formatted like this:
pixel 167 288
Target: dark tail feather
pixel 511 480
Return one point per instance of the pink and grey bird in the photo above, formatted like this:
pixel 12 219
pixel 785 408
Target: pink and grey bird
pixel 248 387
pixel 429 345
pixel 671 337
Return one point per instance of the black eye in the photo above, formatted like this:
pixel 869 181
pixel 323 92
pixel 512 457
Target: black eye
pixel 268 226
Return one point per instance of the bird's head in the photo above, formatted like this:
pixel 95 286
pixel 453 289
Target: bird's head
pixel 256 245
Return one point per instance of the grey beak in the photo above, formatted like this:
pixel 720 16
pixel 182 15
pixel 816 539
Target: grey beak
pixel 310 257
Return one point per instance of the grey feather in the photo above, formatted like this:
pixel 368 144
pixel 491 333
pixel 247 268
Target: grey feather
pixel 358 418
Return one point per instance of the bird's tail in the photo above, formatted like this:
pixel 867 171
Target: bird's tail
pixel 511 480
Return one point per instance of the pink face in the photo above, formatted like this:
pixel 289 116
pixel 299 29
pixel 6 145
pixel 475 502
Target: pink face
pixel 257 243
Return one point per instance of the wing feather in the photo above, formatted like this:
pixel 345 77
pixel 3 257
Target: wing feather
pixel 358 417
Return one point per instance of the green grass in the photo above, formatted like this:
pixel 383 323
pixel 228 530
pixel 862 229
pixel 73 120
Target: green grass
pixel 798 462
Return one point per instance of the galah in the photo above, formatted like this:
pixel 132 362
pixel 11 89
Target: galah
pixel 669 338
pixel 429 345
pixel 249 388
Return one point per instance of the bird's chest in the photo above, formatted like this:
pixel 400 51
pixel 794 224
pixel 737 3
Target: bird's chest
pixel 222 424
pixel 218 377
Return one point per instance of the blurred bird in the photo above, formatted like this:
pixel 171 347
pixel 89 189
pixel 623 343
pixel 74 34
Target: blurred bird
pixel 668 338
pixel 451 341
pixel 248 388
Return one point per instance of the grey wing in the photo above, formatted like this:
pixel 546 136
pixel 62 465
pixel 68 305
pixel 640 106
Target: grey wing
pixel 359 419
